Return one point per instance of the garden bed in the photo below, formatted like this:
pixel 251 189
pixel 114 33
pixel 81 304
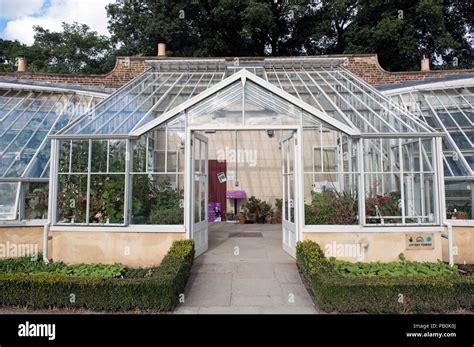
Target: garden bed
pixel 402 287
pixel 30 283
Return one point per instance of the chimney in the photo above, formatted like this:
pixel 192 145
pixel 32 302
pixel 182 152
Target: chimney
pixel 162 49
pixel 425 64
pixel 21 62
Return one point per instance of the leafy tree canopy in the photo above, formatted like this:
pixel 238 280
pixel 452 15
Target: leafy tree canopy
pixel 76 49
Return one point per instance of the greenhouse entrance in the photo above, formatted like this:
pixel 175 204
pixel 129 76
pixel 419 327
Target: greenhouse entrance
pixel 247 175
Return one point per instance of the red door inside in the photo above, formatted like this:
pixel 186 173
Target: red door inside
pixel 217 190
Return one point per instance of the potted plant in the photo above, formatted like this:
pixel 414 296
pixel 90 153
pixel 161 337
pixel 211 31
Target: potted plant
pixel 264 209
pixel 269 218
pixel 253 207
pixel 230 217
pixel 241 217
pixel 278 211
pixel 460 215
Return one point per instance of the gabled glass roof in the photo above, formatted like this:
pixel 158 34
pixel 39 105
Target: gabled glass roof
pixel 448 109
pixel 247 104
pixel 322 83
pixel 27 117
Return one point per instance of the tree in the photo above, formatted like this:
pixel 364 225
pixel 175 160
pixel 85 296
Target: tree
pixel 321 27
pixel 76 49
pixel 9 51
pixel 402 31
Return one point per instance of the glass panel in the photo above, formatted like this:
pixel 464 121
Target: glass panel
pixel 196 203
pixel 80 155
pixel 203 198
pixel 107 199
pixel 99 160
pixel 36 200
pixel 263 107
pixel 413 198
pixel 117 154
pixel 8 203
pixel 383 198
pixel 291 195
pixel 223 107
pixel 159 158
pixel 157 199
pixel 72 198
pixel 459 200
pixel 139 155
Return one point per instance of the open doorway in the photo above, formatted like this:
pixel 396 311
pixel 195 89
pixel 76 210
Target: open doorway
pixel 258 172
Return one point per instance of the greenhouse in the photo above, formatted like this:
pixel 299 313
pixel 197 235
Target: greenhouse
pixel 139 160
pixel 448 107
pixel 28 115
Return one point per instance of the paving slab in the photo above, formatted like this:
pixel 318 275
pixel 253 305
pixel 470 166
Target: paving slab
pixel 256 292
pixel 205 289
pixel 287 273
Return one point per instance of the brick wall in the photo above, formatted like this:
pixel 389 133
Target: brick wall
pixel 125 69
pixel 364 66
pixel 367 68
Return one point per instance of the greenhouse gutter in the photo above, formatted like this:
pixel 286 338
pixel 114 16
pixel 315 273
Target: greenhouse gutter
pixel 400 135
pixel 41 88
pixel 91 136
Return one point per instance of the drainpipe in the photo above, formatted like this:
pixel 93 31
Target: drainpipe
pixel 45 241
pixel 449 236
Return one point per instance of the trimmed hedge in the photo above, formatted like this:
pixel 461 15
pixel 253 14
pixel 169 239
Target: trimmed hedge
pixel 160 291
pixel 381 294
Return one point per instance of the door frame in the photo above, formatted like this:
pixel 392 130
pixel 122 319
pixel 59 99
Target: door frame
pixel 190 181
pixel 285 188
pixel 299 173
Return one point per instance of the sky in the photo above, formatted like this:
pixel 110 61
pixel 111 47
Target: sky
pixel 17 17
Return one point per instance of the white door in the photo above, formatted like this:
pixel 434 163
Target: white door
pixel 289 188
pixel 199 189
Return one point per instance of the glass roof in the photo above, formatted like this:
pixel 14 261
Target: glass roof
pixel 322 83
pixel 449 110
pixel 27 117
pixel 247 104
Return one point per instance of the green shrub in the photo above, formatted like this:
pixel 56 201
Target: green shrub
pixel 336 288
pixel 156 202
pixel 35 265
pixel 153 289
pixel 331 208
pixel 395 269
pixel 167 216
pixel 253 205
pixel 310 258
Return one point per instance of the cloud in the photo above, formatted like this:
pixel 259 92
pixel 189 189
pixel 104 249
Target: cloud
pixel 19 8
pixel 90 12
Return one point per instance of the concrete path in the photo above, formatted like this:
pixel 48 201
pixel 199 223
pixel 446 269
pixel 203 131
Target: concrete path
pixel 245 274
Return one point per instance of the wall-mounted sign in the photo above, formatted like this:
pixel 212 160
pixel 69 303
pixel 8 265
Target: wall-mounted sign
pixel 230 175
pixel 221 177
pixel 419 241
